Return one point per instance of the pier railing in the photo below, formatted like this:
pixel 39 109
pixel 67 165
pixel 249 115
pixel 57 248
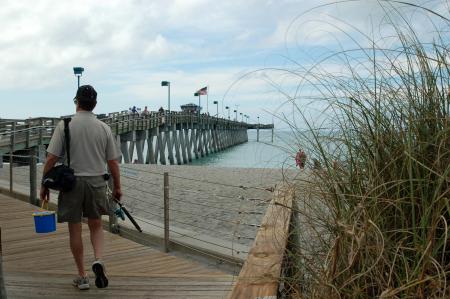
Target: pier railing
pixel 19 134
pixel 20 181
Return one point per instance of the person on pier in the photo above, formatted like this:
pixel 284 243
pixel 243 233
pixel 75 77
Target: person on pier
pixel 92 147
pixel 300 159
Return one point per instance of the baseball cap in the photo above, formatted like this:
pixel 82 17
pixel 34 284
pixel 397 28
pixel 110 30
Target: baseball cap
pixel 86 93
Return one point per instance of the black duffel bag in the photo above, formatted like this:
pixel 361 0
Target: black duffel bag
pixel 61 177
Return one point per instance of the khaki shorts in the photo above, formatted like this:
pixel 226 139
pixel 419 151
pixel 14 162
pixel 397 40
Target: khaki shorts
pixel 87 199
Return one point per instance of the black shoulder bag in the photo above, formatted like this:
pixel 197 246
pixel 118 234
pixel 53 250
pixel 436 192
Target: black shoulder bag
pixel 61 177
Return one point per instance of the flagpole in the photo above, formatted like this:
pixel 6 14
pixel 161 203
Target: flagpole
pixel 207 97
pixel 199 105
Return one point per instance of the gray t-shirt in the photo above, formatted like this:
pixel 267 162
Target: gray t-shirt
pixel 91 144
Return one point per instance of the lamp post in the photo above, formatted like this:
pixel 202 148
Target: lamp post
pixel 242 117
pixel 78 71
pixel 257 131
pixel 235 118
pixel 217 106
pixel 167 83
pixel 228 108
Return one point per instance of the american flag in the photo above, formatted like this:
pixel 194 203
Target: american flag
pixel 203 91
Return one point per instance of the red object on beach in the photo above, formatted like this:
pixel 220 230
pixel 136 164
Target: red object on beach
pixel 300 159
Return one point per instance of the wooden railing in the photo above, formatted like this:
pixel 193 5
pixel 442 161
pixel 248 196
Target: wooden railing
pixel 260 276
pixel 18 134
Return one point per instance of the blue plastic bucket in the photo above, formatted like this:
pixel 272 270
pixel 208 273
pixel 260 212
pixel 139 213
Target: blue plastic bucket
pixel 44 221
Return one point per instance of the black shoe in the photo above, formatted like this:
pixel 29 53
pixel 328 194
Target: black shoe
pixel 101 281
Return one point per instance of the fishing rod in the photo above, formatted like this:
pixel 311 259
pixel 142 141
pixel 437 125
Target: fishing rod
pixel 122 208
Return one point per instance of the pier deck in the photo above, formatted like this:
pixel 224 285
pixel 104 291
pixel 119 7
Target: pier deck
pixel 41 265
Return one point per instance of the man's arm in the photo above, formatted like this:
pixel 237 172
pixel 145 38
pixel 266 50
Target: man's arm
pixel 51 161
pixel 115 173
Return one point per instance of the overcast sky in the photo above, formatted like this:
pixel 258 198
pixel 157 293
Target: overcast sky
pixel 128 47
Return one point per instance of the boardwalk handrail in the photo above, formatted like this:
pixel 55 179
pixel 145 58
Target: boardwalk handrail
pixel 260 275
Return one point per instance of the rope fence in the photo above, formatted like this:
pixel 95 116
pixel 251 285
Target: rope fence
pixel 213 215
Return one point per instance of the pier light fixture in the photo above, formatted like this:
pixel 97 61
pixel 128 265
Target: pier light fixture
pixel 235 118
pixel 167 83
pixel 228 108
pixel 78 72
pixel 242 117
pixel 217 106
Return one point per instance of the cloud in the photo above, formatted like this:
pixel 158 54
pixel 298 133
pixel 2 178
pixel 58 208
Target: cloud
pixel 355 22
pixel 128 47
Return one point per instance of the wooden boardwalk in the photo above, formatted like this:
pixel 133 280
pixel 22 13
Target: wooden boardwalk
pixel 41 265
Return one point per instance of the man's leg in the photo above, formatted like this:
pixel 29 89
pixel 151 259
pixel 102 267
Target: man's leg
pixel 76 246
pixel 96 229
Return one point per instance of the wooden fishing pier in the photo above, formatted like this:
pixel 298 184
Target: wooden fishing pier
pixel 171 137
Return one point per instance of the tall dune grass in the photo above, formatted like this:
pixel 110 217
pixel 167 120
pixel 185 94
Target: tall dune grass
pixel 373 218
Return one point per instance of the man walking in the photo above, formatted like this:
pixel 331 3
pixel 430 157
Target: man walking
pixel 92 147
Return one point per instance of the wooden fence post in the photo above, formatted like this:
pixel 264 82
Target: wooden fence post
pixel 28 133
pixel 41 128
pixel 2 280
pixel 33 175
pixel 166 212
pixel 11 158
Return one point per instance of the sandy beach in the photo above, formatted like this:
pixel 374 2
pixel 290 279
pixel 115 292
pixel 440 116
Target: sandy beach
pixel 224 203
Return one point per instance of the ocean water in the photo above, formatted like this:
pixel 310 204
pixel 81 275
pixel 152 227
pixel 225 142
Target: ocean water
pixel 253 154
